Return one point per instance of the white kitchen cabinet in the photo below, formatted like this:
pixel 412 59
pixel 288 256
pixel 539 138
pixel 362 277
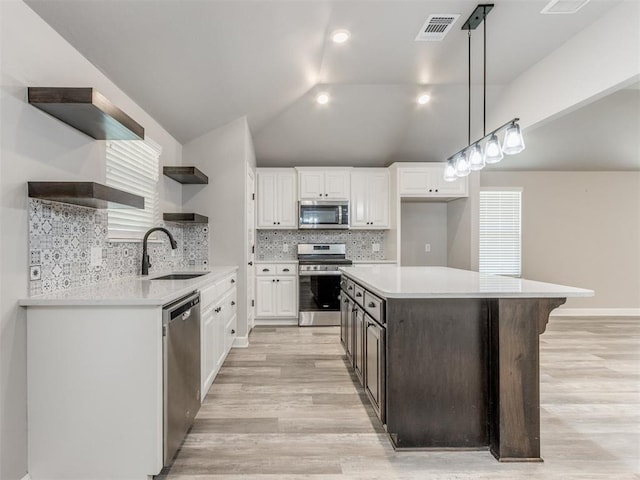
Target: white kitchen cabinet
pixel 426 180
pixel 277 198
pixel 218 304
pixel 369 198
pixel 323 183
pixel 276 290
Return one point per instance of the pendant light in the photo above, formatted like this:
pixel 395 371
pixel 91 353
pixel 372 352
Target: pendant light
pixel 492 150
pixel 513 141
pixel 472 157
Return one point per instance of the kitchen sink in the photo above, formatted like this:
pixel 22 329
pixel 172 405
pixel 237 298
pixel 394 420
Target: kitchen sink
pixel 179 276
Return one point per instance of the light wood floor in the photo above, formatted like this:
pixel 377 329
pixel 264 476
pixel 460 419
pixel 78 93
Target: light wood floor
pixel 287 408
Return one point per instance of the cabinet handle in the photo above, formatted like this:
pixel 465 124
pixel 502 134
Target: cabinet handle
pixel 285 270
pixel 274 223
pixel 358 294
pixel 371 305
pixel 320 194
pixel 278 223
pixel 326 194
pixel 233 332
pixel 277 280
pixel 232 303
pixel 251 264
pixel 274 280
pixel 349 288
pixel 233 280
pixel 346 300
pixel 265 269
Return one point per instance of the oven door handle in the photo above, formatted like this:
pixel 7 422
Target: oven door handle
pixel 319 273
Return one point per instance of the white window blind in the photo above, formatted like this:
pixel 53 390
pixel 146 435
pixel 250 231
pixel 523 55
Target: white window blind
pixel 133 166
pixel 500 232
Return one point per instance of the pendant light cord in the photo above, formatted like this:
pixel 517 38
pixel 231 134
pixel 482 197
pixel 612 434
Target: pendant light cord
pixel 469 94
pixel 484 80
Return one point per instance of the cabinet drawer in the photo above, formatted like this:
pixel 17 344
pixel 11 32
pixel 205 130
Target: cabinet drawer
pixel 350 288
pixel 286 269
pixel 374 306
pixel 208 296
pixel 266 269
pixel 358 294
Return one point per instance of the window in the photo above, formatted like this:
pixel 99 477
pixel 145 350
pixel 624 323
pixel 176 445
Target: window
pixel 500 231
pixel 133 166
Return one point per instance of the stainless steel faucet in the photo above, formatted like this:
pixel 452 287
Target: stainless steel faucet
pixel 145 255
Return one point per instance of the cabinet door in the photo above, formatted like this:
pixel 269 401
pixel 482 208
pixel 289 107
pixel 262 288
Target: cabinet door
pixel 229 333
pixel 378 199
pixel 414 181
pixel 358 340
pixel 359 207
pixel 207 351
pixel 344 311
pixel 287 296
pixel 337 184
pixel 267 203
pixel 219 350
pixel 375 366
pixel 266 296
pixel 311 184
pixel 349 330
pixel 287 202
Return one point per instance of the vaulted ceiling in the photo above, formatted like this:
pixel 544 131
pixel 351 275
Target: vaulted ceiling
pixel 195 65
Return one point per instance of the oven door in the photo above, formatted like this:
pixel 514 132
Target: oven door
pixel 327 215
pixel 319 298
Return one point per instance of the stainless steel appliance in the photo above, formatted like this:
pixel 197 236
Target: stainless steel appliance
pixel 324 214
pixel 181 356
pixel 319 283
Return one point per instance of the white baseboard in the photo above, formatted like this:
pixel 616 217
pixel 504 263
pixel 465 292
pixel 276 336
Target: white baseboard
pixel 596 312
pixel 272 322
pixel 241 342
pixel 26 477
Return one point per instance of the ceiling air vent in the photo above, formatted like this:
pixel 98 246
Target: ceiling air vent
pixel 436 27
pixel 564 6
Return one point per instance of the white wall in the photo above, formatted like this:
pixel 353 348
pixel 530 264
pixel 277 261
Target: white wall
pixel 580 229
pixel 223 155
pixel 35 146
pixel 422 223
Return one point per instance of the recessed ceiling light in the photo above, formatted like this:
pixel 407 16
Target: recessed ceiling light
pixel 322 98
pixel 564 6
pixel 340 36
pixel 424 98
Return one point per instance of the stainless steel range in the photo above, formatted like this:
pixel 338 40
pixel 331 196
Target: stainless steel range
pixel 319 283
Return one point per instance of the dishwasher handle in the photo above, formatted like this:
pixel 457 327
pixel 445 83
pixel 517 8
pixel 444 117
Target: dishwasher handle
pixel 181 308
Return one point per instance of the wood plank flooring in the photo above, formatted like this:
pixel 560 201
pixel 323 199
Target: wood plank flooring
pixel 288 408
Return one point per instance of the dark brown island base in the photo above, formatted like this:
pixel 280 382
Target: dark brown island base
pixel 450 358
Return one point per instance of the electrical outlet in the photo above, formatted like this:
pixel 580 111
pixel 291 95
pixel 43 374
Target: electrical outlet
pixel 285 247
pixel 35 272
pixel 375 247
pixel 427 247
pixel 96 257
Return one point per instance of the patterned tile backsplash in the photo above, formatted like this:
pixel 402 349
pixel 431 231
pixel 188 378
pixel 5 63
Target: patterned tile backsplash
pixel 269 243
pixel 61 237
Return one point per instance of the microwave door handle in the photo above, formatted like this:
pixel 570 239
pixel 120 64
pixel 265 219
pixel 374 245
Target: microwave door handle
pixel 340 215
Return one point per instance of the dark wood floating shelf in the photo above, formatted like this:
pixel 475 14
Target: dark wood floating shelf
pixel 186 175
pixel 85 194
pixel 185 218
pixel 86 110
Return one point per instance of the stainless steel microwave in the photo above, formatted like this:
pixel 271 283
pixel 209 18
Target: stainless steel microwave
pixel 324 214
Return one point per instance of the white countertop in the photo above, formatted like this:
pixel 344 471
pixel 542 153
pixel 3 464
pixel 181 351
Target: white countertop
pixel 441 282
pixel 129 291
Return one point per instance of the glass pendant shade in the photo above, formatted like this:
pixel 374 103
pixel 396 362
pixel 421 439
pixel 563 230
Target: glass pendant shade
pixel 450 173
pixel 462 165
pixel 513 141
pixel 492 150
pixel 476 159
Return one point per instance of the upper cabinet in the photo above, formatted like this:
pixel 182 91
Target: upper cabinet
pixel 427 181
pixel 277 198
pixel 369 198
pixel 323 183
pixel 86 110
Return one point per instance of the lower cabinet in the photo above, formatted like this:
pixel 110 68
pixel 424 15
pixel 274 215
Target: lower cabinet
pixel 362 333
pixel 277 290
pixel 218 327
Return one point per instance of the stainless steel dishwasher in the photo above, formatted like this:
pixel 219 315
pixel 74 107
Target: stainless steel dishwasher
pixel 181 355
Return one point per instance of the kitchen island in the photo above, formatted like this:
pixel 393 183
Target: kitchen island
pixel 456 354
